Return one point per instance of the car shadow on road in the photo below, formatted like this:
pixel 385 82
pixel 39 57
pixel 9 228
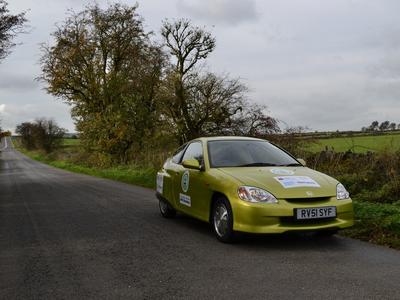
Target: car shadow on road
pixel 287 241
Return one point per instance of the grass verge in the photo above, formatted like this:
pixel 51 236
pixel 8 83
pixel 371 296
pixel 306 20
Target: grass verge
pixel 127 174
pixel 377 223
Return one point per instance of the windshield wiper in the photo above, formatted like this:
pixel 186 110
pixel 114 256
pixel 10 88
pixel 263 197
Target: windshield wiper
pixel 291 165
pixel 258 164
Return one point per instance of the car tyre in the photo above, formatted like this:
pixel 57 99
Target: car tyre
pixel 166 210
pixel 222 220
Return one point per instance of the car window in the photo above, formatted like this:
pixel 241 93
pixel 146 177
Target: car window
pixel 243 153
pixel 176 158
pixel 194 151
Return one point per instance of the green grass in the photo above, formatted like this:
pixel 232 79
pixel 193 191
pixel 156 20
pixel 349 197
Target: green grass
pixel 377 223
pixel 359 144
pixel 129 174
pixel 71 142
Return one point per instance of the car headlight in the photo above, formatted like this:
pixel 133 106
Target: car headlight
pixel 341 192
pixel 253 194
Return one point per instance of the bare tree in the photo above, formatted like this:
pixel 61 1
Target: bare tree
pixel 202 103
pixel 253 120
pixel 188 44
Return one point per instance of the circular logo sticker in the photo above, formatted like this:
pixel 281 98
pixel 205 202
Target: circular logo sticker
pixel 185 181
pixel 282 172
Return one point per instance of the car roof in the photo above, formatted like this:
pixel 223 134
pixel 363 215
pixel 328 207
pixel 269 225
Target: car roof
pixel 226 138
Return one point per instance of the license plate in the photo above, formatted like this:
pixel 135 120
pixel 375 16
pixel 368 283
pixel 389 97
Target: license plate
pixel 315 213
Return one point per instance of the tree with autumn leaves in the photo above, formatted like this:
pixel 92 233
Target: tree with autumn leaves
pixel 10 26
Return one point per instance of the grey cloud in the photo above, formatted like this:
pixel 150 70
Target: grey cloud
pixel 342 107
pixel 331 102
pixel 18 83
pixel 331 66
pixel 388 66
pixel 12 114
pixel 230 12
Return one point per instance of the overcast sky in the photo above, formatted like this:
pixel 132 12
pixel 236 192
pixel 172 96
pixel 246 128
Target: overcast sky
pixel 327 65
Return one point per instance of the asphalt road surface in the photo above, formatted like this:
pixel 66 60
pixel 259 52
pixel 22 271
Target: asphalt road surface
pixel 70 236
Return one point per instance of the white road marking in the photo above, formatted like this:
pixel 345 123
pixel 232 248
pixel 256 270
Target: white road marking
pixel 6 144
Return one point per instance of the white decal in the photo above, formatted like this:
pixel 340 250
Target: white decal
pixel 296 181
pixel 160 183
pixel 282 172
pixel 185 200
pixel 185 181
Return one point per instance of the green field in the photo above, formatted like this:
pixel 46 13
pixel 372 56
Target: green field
pixel 359 144
pixel 70 142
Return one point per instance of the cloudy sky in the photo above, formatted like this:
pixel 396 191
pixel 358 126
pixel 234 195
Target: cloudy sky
pixel 327 65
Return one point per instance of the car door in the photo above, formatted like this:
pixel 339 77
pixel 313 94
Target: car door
pixel 173 168
pixel 191 189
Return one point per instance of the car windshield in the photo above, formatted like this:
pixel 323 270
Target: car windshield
pixel 247 153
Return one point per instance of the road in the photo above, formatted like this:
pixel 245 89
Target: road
pixel 71 236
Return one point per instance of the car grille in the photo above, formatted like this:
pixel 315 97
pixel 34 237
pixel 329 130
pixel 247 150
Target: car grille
pixel 308 200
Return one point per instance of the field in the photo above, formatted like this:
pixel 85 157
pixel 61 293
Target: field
pixel 360 144
pixel 70 142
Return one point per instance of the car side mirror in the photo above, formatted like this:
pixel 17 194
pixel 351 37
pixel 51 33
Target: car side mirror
pixel 302 161
pixel 191 164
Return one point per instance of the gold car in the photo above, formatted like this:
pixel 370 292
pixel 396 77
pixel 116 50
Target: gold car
pixel 249 185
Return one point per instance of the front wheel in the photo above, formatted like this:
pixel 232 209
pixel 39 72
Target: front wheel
pixel 222 220
pixel 166 210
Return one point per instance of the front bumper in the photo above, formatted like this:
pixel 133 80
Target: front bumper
pixel 278 218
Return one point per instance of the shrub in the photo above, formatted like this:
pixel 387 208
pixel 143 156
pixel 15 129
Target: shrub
pixel 372 176
pixel 43 134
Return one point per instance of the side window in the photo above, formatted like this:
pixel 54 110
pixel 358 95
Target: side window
pixel 194 151
pixel 176 158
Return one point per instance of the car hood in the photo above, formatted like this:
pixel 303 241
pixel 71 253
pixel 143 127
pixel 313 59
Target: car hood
pixel 285 182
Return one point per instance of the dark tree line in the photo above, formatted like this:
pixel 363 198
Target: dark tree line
pixel 127 92
pixel 42 134
pixel 384 126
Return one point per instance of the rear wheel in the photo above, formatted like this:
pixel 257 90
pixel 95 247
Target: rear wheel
pixel 222 220
pixel 166 210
